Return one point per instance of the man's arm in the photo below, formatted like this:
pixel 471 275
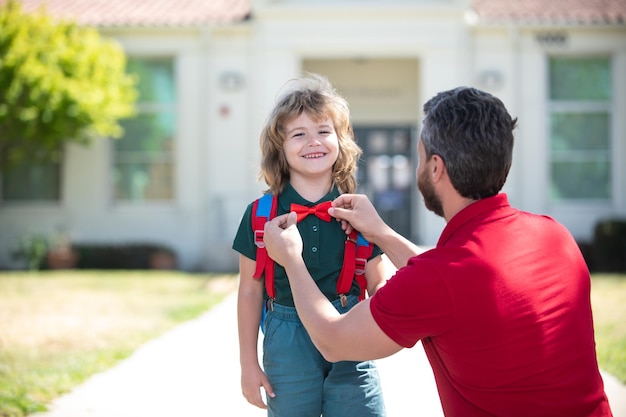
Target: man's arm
pixel 354 335
pixel 356 211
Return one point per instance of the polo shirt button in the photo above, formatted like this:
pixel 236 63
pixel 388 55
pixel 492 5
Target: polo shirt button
pixel 315 228
pixel 314 249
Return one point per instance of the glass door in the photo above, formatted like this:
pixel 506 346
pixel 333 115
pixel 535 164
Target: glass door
pixel 386 173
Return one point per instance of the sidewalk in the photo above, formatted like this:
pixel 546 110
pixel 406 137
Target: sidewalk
pixel 193 371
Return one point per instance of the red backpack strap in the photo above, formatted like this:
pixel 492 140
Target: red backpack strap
pixel 357 251
pixel 344 283
pixel 263 210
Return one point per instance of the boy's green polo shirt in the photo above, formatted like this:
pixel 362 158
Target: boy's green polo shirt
pixel 323 247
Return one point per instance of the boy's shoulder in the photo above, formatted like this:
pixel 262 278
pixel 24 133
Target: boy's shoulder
pixel 265 205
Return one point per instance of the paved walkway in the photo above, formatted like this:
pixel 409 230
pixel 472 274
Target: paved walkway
pixel 193 370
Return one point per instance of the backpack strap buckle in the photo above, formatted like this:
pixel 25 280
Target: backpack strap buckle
pixel 258 238
pixel 360 264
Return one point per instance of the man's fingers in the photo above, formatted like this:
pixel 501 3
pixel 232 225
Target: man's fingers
pixel 342 215
pixel 292 219
pixel 285 220
pixel 280 221
pixel 339 213
pixel 344 201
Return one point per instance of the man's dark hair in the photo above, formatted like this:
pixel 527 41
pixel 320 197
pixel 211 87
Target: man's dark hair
pixel 472 132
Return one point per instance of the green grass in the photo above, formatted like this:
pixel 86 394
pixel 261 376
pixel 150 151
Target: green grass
pixel 608 299
pixel 59 328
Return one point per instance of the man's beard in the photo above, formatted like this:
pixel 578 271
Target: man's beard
pixel 431 200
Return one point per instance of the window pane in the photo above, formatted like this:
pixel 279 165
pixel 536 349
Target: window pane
pixel 144 181
pixel 150 133
pixel 580 131
pixel 32 183
pixel 580 128
pixel 144 168
pixel 575 78
pixel 580 156
pixel 156 79
pixel 580 180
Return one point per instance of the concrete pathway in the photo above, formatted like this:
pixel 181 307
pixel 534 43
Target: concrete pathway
pixel 193 371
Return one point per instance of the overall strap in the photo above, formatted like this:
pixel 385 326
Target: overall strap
pixel 263 210
pixel 357 252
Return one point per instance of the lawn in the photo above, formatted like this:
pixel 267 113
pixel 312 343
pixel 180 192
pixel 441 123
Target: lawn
pixel 608 299
pixel 58 328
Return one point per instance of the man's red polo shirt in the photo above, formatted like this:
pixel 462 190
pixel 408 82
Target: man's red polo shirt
pixel 503 311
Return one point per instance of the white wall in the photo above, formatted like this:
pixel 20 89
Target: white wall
pixel 217 152
pixel 515 53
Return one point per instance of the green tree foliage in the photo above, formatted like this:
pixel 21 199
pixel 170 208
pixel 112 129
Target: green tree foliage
pixel 60 83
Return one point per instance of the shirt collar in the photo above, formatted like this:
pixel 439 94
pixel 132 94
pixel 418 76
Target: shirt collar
pixel 479 209
pixel 290 195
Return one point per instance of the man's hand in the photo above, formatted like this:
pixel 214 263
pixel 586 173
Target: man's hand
pixel 350 336
pixel 356 212
pixel 282 239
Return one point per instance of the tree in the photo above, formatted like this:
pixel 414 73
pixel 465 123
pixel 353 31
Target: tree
pixel 60 83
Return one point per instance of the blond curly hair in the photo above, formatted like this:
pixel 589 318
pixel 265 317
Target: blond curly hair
pixel 313 94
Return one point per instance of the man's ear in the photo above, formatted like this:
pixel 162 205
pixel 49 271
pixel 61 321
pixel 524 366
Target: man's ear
pixel 437 168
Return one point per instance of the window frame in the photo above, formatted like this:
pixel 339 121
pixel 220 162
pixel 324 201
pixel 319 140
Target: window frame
pixel 153 107
pixel 39 202
pixel 588 106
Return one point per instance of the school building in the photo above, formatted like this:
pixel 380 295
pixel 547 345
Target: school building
pixel 210 69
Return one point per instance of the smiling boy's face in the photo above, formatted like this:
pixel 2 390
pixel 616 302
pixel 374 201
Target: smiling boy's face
pixel 311 147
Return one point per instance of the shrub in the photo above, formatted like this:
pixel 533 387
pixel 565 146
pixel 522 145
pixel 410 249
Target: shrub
pixel 32 251
pixel 116 256
pixel 609 245
pixel 586 248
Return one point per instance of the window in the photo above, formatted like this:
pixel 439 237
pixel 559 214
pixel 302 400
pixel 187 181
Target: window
pixel 32 182
pixel 580 128
pixel 144 156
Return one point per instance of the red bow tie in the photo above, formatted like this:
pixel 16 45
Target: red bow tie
pixel 321 210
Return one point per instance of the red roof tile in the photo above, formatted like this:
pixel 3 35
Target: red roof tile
pixel 200 12
pixel 552 11
pixel 143 12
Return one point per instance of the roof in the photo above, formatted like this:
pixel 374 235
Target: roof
pixel 200 12
pixel 588 12
pixel 143 12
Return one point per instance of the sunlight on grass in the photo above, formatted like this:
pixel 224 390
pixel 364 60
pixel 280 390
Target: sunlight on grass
pixel 59 328
pixel 608 298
